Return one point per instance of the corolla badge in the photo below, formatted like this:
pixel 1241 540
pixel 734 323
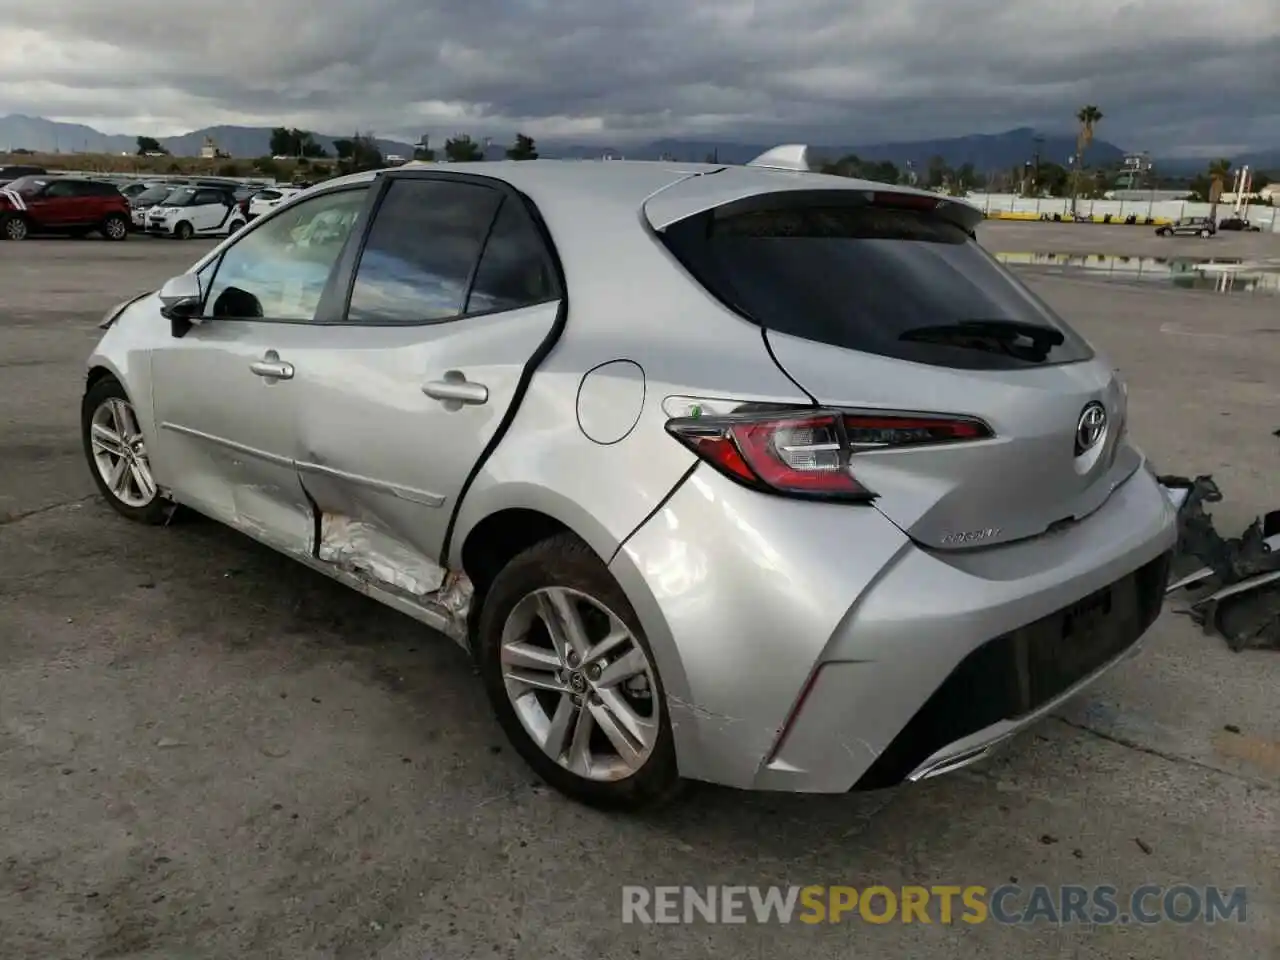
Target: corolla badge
pixel 1091 427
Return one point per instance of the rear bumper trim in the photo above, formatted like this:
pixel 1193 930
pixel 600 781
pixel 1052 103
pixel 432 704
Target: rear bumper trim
pixel 971 749
pixel 1015 679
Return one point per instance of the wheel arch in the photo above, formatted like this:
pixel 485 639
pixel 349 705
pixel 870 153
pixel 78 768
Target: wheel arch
pixel 486 540
pixel 496 537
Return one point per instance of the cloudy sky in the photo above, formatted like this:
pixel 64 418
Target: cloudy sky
pixel 1185 76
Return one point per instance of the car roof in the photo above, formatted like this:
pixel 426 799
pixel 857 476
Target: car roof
pixel 630 186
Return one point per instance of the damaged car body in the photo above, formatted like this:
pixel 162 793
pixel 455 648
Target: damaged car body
pixel 702 501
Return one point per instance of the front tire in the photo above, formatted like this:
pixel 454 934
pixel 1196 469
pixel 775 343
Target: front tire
pixel 183 231
pixel 117 454
pixel 235 227
pixel 573 681
pixel 1204 234
pixel 115 227
pixel 14 227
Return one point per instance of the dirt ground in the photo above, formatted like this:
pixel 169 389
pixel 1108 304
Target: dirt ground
pixel 207 751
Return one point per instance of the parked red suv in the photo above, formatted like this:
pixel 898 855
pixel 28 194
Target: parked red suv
pixel 45 204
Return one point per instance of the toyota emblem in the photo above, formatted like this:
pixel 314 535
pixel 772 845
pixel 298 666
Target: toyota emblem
pixel 1091 428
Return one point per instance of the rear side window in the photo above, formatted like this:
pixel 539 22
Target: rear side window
pixel 421 250
pixel 893 281
pixel 515 270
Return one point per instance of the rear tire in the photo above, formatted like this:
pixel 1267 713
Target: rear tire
pixel 235 226
pixel 117 456
pixel 1205 234
pixel 183 231
pixel 115 227
pixel 14 227
pixel 562 578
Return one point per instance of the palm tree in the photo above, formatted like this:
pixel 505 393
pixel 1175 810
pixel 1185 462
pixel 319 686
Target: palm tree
pixel 1089 117
pixel 1218 173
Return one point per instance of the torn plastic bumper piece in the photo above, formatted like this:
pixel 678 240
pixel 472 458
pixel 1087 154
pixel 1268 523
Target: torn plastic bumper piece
pixel 1229 574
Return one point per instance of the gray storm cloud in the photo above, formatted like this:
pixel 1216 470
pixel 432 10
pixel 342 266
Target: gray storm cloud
pixel 1168 73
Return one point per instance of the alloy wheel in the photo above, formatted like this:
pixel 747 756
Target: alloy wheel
pixel 116 229
pixel 120 455
pixel 580 683
pixel 15 228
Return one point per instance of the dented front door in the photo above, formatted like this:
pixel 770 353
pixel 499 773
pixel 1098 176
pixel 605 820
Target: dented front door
pixel 397 400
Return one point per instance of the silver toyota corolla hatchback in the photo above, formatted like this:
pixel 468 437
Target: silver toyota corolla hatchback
pixel 737 474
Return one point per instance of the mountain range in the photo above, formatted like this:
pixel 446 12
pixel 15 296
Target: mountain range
pixel 987 152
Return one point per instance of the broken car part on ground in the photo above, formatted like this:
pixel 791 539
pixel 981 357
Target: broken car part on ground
pixel 1233 583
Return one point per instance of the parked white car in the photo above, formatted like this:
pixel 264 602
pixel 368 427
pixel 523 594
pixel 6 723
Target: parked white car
pixel 196 211
pixel 264 201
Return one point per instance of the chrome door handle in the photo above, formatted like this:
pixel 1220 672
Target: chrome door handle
pixel 455 389
pixel 272 367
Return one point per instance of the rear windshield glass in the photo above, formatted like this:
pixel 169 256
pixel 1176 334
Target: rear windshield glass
pixel 900 283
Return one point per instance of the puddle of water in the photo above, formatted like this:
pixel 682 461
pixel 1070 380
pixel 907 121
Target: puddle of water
pixel 1219 274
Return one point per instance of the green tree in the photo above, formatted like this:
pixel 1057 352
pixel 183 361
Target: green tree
pixel 292 142
pixel 358 153
pixel 884 171
pixel 1053 178
pixel 229 170
pixel 149 145
pixel 523 149
pixel 1088 116
pixel 937 174
pixel 283 143
pixel 1219 170
pixel 462 149
pixel 268 167
pixel 849 165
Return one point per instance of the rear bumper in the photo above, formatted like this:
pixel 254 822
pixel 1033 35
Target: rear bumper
pixel 814 648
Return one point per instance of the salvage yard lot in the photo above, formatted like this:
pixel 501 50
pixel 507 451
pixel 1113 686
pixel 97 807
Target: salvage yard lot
pixel 209 751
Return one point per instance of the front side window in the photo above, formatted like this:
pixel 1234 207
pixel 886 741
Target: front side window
pixel 279 270
pixel 422 247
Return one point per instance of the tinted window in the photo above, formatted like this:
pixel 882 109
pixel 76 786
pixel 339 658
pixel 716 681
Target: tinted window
pixel 896 282
pixel 27 186
pixel 154 194
pixel 421 249
pixel 279 270
pixel 89 188
pixel 209 196
pixel 61 188
pixel 514 270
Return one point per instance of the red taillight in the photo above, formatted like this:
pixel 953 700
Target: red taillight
pixel 810 453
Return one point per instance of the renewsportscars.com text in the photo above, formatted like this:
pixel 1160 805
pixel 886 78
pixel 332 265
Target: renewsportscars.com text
pixel 942 904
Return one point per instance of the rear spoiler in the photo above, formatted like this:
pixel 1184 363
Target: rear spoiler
pixel 699 193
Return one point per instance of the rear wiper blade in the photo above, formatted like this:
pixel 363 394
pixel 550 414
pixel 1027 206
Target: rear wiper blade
pixel 996 336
